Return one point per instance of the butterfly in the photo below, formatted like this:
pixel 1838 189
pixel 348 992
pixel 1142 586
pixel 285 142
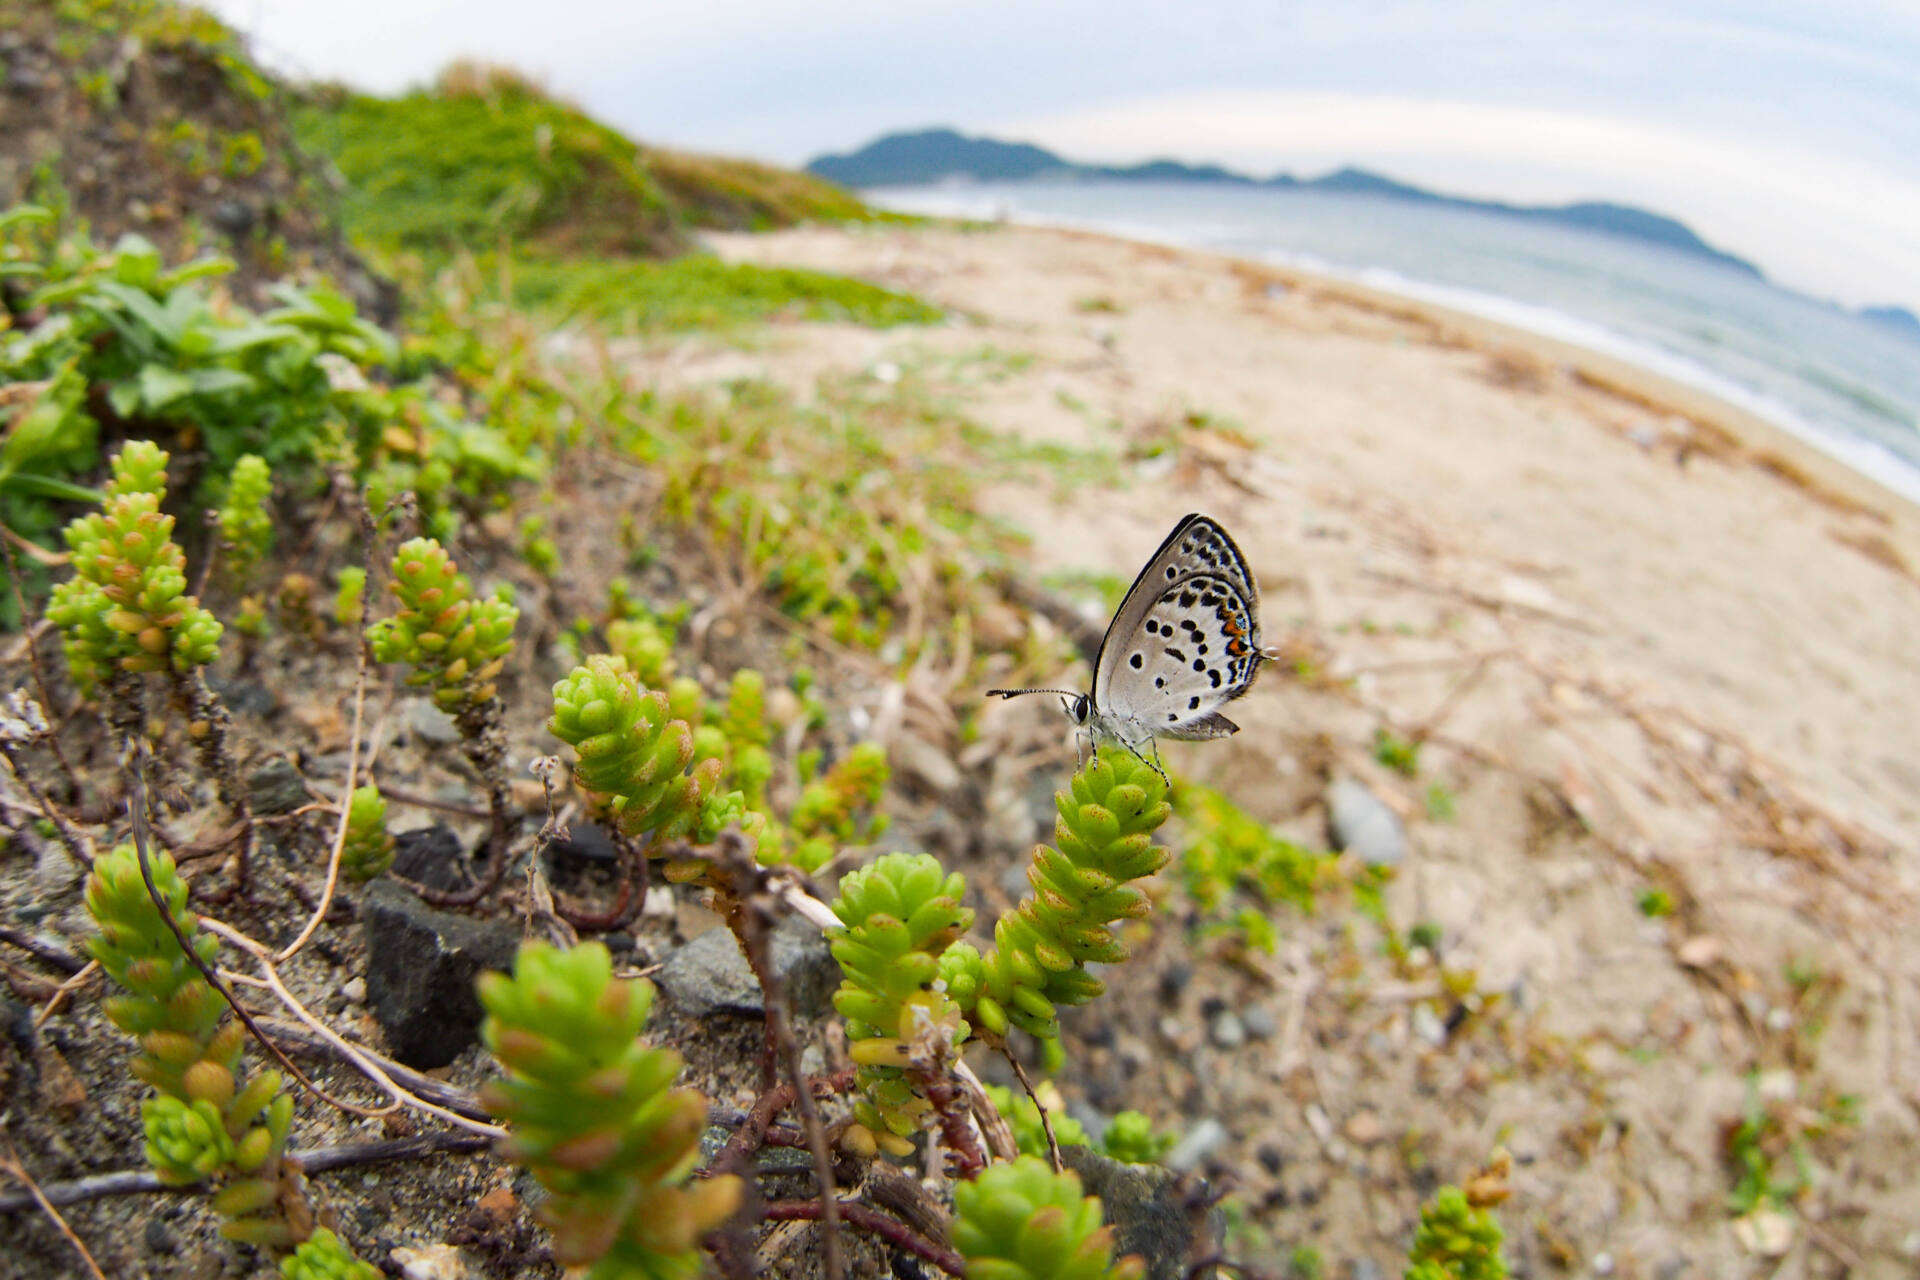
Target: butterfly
pixel 1184 643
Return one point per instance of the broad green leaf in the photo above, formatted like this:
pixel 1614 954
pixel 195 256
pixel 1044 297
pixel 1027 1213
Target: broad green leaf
pixel 161 386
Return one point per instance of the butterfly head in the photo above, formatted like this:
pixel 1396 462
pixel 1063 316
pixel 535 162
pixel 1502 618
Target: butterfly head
pixel 1078 708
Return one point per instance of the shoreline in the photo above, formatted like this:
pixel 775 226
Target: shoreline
pixel 1801 450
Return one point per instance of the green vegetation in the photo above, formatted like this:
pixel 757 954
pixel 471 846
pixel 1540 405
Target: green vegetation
pixel 1402 755
pixel 1456 1241
pixel 1041 949
pixel 595 1118
pixel 368 851
pixel 1023 1221
pixel 1226 853
pixel 456 644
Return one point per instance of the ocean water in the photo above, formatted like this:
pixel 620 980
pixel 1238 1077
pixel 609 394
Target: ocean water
pixel 1846 385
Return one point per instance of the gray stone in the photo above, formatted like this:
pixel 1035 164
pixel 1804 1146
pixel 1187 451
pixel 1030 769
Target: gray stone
pixel 766 1160
pixel 421 967
pixel 1428 1026
pixel 1151 1213
pixel 1259 1022
pixel 1363 1269
pixel 432 856
pixel 1362 823
pixel 709 975
pixel 1227 1030
pixel 431 723
pixel 245 697
pixel 235 217
pixel 276 787
pixel 1196 1145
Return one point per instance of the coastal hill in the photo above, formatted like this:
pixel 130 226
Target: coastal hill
pixel 942 155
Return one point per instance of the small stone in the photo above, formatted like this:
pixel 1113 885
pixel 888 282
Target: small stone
pixel 1776 1086
pixel 1363 1128
pixel 433 1262
pixel 1173 980
pixel 1227 1031
pixel 421 967
pixel 1272 1159
pixel 276 787
pixel 158 1239
pixel 1319 1121
pixel 245 697
pixel 1259 1022
pixel 1428 1026
pixel 430 723
pixel 1196 1145
pixel 709 975
pixel 1360 822
pixel 1363 1269
pixel 1603 1264
pixel 1764 1233
pixel 1699 951
pixel 619 943
pixel 355 989
pixel 499 1204
pixel 235 217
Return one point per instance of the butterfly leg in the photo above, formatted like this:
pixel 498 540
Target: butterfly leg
pixel 1153 764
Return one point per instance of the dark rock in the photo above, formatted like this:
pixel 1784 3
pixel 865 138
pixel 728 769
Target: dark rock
pixel 421 967
pixel 235 217
pixel 1149 1209
pixel 159 1239
pixel 587 841
pixel 1272 1159
pixel 245 697
pixel 1173 980
pixel 619 943
pixel 432 856
pixel 276 787
pixel 709 975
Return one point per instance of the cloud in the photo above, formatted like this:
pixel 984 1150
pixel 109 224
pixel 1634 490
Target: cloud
pixel 1823 223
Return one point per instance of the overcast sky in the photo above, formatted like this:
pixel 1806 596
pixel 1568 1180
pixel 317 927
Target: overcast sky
pixel 1787 131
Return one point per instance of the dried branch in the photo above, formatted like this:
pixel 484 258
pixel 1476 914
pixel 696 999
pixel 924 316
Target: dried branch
pixel 11 1165
pixel 871 1220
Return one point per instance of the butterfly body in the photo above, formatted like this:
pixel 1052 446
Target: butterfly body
pixel 1184 643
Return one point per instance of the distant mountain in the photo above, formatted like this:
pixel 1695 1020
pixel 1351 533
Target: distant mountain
pixel 1899 319
pixel 942 155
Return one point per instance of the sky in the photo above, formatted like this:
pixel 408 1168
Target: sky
pixel 1785 131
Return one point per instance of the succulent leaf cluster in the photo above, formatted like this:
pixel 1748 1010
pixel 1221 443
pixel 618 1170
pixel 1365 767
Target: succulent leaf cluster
pixel 595 1118
pixel 207 1120
pixel 897 915
pixel 646 645
pixel 1456 1241
pixel 349 599
pixel 126 608
pixel 1130 1139
pixel 368 851
pixel 455 643
pixel 745 723
pixel 246 519
pixel 1042 947
pixel 633 758
pixel 1023 1221
pixel 838 809
pixel 324 1257
pixel 1020 1113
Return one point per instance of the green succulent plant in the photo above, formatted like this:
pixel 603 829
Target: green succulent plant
pixel 126 608
pixel 349 600
pixel 324 1257
pixel 633 760
pixel 368 851
pixel 1023 1116
pixel 647 647
pixel 455 643
pixel 1130 1139
pixel 838 809
pixel 1042 947
pixel 207 1120
pixel 897 915
pixel 594 1117
pixel 246 520
pixel 1023 1221
pixel 1456 1241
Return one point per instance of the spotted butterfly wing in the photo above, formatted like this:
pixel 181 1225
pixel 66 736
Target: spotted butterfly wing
pixel 1185 642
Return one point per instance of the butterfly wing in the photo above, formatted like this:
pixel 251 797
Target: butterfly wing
pixel 1196 546
pixel 1196 649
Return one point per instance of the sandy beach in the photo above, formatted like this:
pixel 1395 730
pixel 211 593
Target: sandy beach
pixel 1649 642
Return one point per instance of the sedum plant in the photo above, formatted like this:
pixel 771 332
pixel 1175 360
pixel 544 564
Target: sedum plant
pixel 368 851
pixel 1130 1139
pixel 838 809
pixel 456 644
pixel 206 1120
pixel 349 599
pixel 1042 947
pixel 246 535
pixel 1456 1241
pixel 594 1117
pixel 897 915
pixel 1023 1117
pixel 1023 1221
pixel 635 762
pixel 126 608
pixel 324 1257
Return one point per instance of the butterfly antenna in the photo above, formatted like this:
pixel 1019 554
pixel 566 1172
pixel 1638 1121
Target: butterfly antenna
pixel 1014 693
